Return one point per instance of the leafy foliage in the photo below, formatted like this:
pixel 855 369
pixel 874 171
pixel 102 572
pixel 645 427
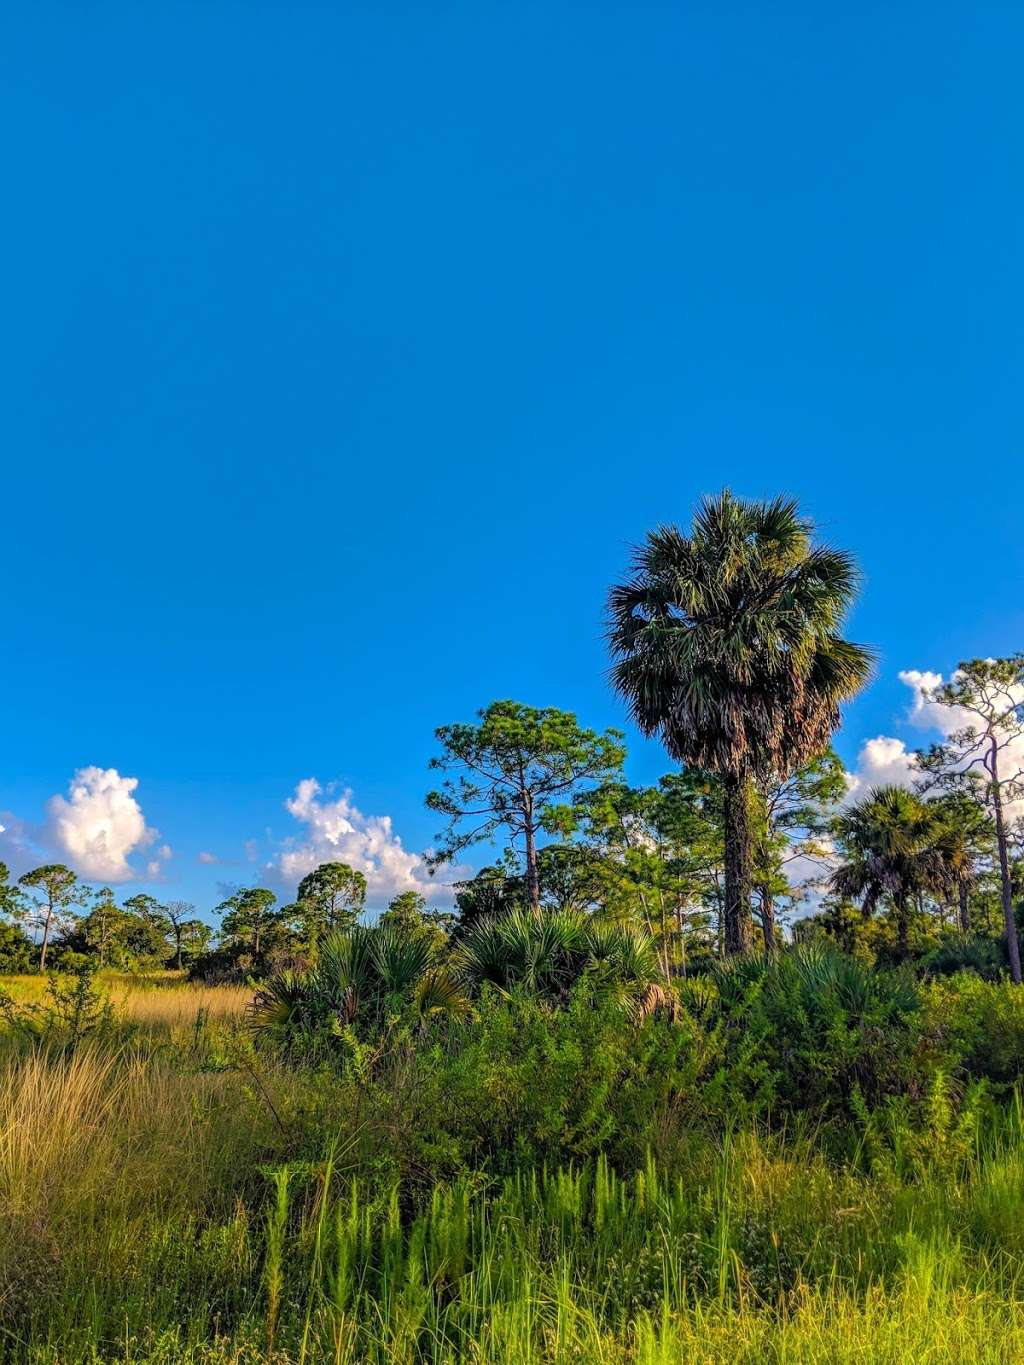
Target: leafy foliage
pixel 364 982
pixel 516 771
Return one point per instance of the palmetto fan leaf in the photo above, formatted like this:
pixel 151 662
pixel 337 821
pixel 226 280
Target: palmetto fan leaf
pixel 345 973
pixel 812 974
pixel 400 959
pixel 364 977
pixel 440 992
pixel 552 953
pixel 280 1006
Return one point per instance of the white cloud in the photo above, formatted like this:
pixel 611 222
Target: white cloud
pixel 882 762
pixel 100 824
pixel 207 859
pixel 925 714
pixel 337 831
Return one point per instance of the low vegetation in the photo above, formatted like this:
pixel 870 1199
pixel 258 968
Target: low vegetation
pixel 800 1158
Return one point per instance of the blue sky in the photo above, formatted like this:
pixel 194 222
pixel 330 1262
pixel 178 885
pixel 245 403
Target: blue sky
pixel 348 349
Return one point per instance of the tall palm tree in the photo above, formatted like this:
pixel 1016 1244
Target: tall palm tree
pixel 726 644
pixel 894 847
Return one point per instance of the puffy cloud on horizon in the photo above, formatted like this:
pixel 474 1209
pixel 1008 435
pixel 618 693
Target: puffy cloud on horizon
pixel 100 824
pixel 886 760
pixel 337 831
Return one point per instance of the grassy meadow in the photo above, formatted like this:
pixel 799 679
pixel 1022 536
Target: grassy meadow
pixel 173 1192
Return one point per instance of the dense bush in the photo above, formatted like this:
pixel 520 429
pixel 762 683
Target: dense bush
pixel 17 951
pixel 977 1026
pixel 812 1028
pixel 985 957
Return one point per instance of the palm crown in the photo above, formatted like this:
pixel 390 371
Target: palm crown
pixel 726 641
pixel 895 846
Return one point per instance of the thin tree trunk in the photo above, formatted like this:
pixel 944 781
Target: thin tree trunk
pixel 681 926
pixel 1009 922
pixel 964 911
pixel 532 875
pixel 738 867
pixel 46 937
pixel 767 917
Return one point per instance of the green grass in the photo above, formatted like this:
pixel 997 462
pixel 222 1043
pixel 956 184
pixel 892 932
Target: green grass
pixel 162 1202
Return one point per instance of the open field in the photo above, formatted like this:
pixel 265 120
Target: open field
pixel 170 1194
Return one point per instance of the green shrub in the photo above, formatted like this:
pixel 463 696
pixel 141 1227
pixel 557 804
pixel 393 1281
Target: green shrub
pixel 977 1025
pixel 985 957
pixel 822 1025
pixel 17 951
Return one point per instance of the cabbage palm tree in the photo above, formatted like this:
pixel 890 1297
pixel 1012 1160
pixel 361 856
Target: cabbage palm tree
pixel 726 644
pixel 894 847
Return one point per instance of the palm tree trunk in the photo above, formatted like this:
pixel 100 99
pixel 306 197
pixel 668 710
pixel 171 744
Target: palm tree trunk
pixel 902 926
pixel 767 917
pixel 738 867
pixel 964 914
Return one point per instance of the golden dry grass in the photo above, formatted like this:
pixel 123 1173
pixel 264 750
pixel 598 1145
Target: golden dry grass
pixel 157 1000
pixel 180 1006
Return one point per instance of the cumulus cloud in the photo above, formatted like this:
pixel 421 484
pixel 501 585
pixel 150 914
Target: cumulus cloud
pixel 335 830
pixel 100 824
pixel 923 713
pixel 882 762
pixel 207 859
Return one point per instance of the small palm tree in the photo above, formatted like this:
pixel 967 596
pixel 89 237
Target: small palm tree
pixel 726 644
pixel 967 834
pixel 893 849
